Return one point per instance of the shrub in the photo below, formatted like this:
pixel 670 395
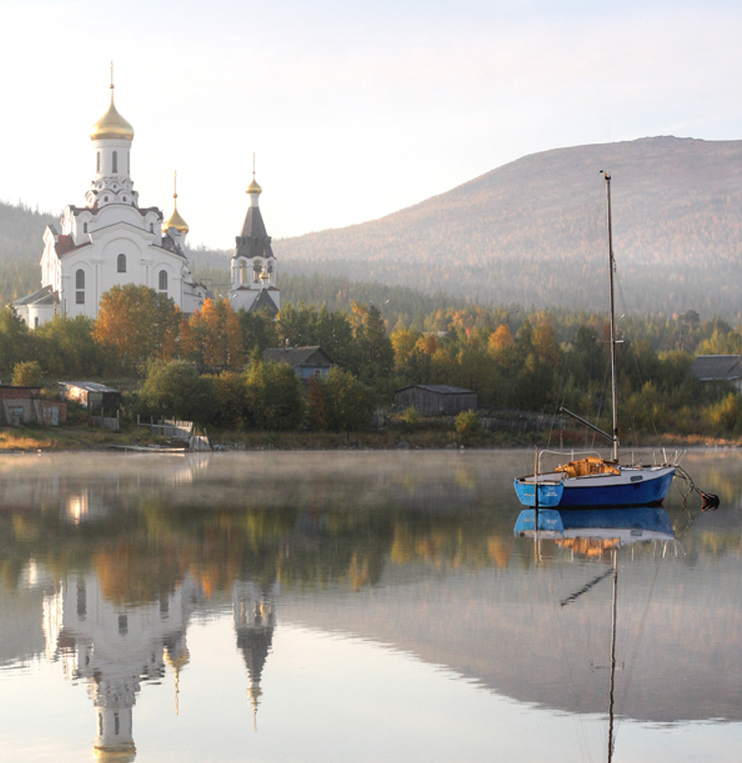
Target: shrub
pixel 468 424
pixel 26 374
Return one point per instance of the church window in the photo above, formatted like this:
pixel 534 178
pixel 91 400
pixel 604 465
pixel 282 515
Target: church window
pixel 36 321
pixel 243 272
pixel 115 163
pixel 116 724
pixel 97 161
pixel 84 227
pixel 162 280
pixel 121 263
pixel 80 287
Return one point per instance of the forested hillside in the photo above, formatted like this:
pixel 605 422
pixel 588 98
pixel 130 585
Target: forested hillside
pixel 21 230
pixel 533 232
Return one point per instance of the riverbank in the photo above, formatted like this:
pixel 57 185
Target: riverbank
pixel 81 438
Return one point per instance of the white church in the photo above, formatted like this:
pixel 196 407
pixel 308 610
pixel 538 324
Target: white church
pixel 113 241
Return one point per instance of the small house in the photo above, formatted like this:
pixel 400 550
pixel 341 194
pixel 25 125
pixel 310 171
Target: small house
pixel 709 368
pixel 307 362
pixel 98 399
pixel 23 405
pixel 435 399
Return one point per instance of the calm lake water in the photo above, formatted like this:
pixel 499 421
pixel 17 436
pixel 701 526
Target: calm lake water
pixel 356 606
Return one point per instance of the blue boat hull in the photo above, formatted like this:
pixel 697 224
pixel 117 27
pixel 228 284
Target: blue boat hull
pixel 584 521
pixel 647 488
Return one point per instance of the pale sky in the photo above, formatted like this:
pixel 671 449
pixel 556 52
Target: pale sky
pixel 354 109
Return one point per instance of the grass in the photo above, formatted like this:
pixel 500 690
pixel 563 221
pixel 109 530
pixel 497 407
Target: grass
pixel 79 436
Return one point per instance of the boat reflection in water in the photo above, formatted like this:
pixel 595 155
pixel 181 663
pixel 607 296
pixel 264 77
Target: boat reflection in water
pixel 595 533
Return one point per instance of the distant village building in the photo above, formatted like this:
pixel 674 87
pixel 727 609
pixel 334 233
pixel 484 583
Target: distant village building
pixel 111 240
pixel 253 267
pixel 710 368
pixel 98 399
pixel 435 399
pixel 307 362
pixel 24 405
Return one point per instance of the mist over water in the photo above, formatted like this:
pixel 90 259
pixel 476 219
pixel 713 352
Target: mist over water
pixel 356 605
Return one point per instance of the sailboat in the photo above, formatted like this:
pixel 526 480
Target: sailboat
pixel 593 480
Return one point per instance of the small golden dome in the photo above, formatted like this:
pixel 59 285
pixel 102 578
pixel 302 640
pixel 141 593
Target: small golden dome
pixel 175 220
pixel 254 187
pixel 112 126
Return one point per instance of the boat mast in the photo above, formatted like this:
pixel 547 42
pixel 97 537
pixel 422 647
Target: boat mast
pixel 611 267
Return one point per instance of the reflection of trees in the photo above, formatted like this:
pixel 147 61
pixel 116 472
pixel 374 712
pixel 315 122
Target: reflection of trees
pixel 143 552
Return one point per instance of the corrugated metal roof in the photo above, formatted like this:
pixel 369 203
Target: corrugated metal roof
pixel 89 386
pixel 298 356
pixel 717 367
pixel 440 389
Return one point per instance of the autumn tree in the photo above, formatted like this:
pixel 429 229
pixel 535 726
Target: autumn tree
pixel 212 338
pixel 137 324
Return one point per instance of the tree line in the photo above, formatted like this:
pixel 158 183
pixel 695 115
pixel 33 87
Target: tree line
pixel 209 367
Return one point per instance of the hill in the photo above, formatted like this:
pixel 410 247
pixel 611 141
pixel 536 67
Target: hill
pixel 533 232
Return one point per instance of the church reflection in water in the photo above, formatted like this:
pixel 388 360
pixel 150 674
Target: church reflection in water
pixel 116 648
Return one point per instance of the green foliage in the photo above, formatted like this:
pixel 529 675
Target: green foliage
pixel 349 403
pixel 315 415
pixel 27 374
pixel 67 350
pixel 16 342
pixel 175 389
pixel 258 330
pixel 274 398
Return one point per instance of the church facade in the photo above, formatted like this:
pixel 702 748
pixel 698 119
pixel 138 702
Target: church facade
pixel 111 240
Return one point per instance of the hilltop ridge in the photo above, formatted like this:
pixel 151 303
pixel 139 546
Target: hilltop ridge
pixel 533 231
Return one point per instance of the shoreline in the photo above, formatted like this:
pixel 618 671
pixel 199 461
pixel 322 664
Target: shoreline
pixel 38 440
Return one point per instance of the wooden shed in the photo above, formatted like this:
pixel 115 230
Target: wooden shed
pixel 435 399
pixel 97 398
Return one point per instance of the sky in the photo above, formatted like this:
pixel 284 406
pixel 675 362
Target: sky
pixel 353 109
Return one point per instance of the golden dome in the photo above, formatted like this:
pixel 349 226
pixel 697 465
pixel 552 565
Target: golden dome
pixel 254 187
pixel 112 126
pixel 175 220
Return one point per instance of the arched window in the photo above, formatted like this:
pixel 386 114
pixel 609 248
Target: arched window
pixel 243 271
pixel 121 263
pixel 84 227
pixel 162 280
pixel 114 162
pixel 97 161
pixel 80 287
